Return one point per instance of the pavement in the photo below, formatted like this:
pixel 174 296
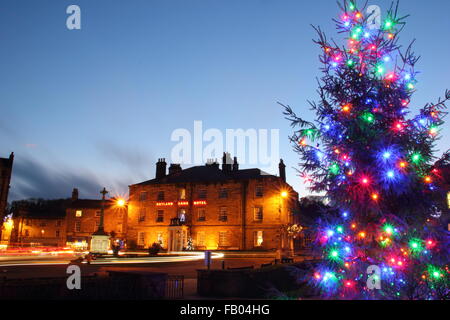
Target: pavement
pixel 186 268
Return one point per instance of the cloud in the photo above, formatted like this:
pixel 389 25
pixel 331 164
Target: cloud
pixel 33 179
pixel 132 159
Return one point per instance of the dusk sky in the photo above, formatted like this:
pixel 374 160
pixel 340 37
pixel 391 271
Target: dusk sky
pixel 96 107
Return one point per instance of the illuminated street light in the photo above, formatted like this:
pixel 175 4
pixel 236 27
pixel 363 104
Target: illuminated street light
pixel 121 202
pixel 284 194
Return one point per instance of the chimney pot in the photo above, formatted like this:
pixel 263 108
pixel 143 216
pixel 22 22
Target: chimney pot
pixel 74 194
pixel 282 168
pixel 161 168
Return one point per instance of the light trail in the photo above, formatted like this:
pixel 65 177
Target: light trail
pixel 48 261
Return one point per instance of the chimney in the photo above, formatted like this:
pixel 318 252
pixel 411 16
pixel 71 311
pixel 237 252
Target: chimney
pixel 235 164
pixel 161 167
pixel 226 162
pixel 175 168
pixel 282 168
pixel 74 194
pixel 212 163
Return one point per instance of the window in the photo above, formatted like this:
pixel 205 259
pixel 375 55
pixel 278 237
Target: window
pixel 98 213
pixel 200 239
pixel 143 196
pixel 78 213
pixel 78 226
pixel 59 223
pixel 259 238
pixel 182 215
pixel 27 233
pixel 42 224
pixel 223 194
pixel 258 214
pixel 57 233
pixel 119 228
pixel 182 194
pixel 223 239
pixel 201 214
pixel 448 200
pixel 259 192
pixel 28 222
pixel 160 196
pixel 141 239
pixel 142 214
pixel 160 216
pixel 202 194
pixel 223 214
pixel 160 239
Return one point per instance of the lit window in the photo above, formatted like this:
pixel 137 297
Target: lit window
pixel 448 200
pixel 78 213
pixel 182 194
pixel 223 194
pixel 160 239
pixel 160 216
pixel 259 238
pixel 223 239
pixel 200 239
pixel 182 215
pixel 201 214
pixel 141 239
pixel 258 214
pixel 223 214
pixel 259 192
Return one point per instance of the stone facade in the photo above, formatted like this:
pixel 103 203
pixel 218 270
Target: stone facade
pixel 220 209
pixel 83 219
pixel 6 165
pixel 45 231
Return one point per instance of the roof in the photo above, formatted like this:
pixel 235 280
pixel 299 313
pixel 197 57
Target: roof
pixel 208 174
pixel 5 162
pixel 88 204
pixel 40 209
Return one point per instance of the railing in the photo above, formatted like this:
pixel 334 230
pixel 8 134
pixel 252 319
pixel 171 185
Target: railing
pixel 174 287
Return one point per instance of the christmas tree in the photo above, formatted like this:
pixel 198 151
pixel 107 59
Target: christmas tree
pixel 375 162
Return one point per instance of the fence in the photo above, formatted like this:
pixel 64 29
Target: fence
pixel 174 287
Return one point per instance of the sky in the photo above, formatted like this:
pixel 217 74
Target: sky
pixel 97 107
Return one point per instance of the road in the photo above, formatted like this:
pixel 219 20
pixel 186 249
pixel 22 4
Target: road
pixel 64 259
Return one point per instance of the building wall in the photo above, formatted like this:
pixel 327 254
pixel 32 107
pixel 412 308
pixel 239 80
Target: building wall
pixel 39 231
pixel 114 221
pixel 240 228
pixel 5 180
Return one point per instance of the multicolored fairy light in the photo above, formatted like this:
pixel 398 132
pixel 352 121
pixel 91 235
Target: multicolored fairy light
pixel 367 154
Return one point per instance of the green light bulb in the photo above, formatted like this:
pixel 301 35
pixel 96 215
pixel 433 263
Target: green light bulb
pixel 335 169
pixel 416 157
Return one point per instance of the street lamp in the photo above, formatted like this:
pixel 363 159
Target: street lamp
pixel 121 202
pixel 284 194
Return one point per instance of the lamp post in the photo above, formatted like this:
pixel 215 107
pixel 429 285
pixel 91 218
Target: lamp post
pixel 100 239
